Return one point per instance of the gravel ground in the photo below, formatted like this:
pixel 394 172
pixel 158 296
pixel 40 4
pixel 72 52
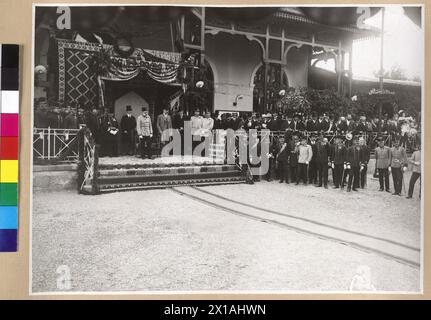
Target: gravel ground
pixel 157 240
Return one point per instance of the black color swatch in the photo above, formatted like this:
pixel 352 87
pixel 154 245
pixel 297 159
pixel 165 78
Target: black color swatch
pixel 10 56
pixel 9 78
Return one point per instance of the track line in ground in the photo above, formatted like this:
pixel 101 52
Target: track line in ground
pixel 351 244
pixel 307 220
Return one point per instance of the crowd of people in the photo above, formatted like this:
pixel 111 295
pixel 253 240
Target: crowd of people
pixel 294 159
pixel 299 151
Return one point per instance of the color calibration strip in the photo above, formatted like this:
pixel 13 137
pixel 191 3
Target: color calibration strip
pixel 9 142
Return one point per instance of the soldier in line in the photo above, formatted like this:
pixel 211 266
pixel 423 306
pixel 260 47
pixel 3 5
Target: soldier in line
pixel 354 160
pixel 398 164
pixel 364 164
pixel 383 155
pixel 128 132
pixel 312 174
pixel 305 153
pixel 338 158
pixel 415 161
pixel 145 133
pixel 321 156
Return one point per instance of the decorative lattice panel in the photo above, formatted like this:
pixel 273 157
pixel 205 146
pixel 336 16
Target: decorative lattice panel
pixel 77 77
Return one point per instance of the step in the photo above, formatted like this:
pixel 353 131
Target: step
pixel 168 184
pixel 165 170
pixel 215 162
pixel 176 176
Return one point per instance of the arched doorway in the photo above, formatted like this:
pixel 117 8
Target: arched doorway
pixel 276 79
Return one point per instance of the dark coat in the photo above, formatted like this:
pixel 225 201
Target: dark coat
pixel 355 156
pixel 283 155
pixel 322 153
pixel 338 154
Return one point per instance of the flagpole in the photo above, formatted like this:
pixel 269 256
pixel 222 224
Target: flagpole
pixel 381 68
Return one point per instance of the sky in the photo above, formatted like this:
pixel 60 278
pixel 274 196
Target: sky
pixel 403 46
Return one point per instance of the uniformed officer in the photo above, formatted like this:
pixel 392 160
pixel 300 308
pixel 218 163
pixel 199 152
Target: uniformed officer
pixel 338 159
pixel 383 154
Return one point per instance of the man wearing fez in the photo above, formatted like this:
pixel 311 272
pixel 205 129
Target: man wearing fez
pixel 145 133
pixel 338 158
pixel 383 156
pixel 109 134
pixel 128 126
pixel 322 158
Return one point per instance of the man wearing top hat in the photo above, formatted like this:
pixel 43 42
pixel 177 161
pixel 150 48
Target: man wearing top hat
pixel 128 127
pixel 145 133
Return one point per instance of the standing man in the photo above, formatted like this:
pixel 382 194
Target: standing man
pixel 415 161
pixel 92 122
pixel 145 133
pixel 128 127
pixel 312 175
pixel 178 124
pixel 293 159
pixel 383 155
pixel 196 122
pixel 283 161
pixel 305 153
pixel 364 163
pixel 109 133
pixel 164 126
pixel 398 164
pixel 321 159
pixel 338 159
pixel 354 159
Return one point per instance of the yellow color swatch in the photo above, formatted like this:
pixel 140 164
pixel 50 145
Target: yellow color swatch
pixel 9 171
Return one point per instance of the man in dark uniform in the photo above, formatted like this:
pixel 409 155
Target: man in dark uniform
pixel 178 124
pixel 321 159
pixel 312 171
pixel 338 158
pixel 364 164
pixel 354 160
pixel 293 159
pixel 128 134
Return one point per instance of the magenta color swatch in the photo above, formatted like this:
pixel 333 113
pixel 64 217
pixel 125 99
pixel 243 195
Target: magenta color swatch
pixel 9 125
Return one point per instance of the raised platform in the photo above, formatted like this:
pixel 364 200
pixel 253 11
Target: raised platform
pixel 133 173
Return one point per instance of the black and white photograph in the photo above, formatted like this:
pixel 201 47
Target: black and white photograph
pixel 227 149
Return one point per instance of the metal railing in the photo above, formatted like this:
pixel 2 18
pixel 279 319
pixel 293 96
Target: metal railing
pixel 55 144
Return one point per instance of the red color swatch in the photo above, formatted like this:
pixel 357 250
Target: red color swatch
pixel 9 148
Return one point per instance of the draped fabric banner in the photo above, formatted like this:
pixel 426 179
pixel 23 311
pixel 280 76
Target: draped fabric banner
pixel 116 68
